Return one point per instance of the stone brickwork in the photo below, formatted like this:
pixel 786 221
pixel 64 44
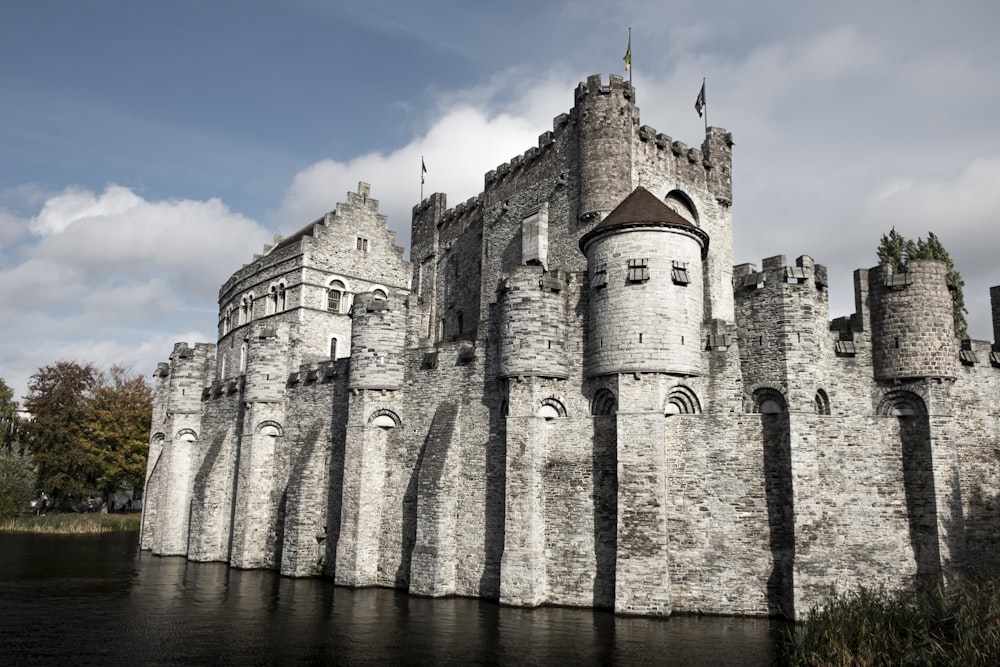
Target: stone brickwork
pixel 569 395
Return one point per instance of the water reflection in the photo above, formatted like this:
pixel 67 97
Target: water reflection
pixel 95 601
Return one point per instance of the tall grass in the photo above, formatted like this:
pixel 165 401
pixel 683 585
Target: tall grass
pixel 71 524
pixel 957 624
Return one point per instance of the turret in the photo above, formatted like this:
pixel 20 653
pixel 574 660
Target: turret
pixel 605 116
pixel 532 323
pixel 913 327
pixel 646 290
pixel 378 335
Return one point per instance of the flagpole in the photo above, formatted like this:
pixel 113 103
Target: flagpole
pixel 422 170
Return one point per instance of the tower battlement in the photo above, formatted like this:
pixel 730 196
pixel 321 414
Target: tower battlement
pixel 594 85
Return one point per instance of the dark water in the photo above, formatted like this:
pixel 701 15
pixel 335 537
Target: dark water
pixel 96 601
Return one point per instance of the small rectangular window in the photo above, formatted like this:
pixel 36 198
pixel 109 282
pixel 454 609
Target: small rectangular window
pixel 679 274
pixel 600 278
pixel 638 270
pixel 362 244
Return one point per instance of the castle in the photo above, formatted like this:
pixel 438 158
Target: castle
pixel 569 395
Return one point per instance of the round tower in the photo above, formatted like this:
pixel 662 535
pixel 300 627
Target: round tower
pixel 913 326
pixel 605 118
pixel 532 323
pixel 646 290
pixel 378 336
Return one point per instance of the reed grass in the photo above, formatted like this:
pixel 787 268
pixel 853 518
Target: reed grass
pixel 957 624
pixel 71 524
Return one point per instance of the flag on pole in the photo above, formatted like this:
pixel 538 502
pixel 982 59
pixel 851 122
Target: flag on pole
pixel 699 103
pixel 628 53
pixel 423 170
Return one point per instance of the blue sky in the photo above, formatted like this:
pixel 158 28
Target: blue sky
pixel 148 149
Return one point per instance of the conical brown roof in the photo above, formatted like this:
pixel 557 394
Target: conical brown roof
pixel 640 209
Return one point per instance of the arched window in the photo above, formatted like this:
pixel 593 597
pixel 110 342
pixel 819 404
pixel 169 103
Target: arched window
pixel 243 357
pixel 269 428
pixel 187 435
pixel 335 300
pixel 822 402
pixel 380 294
pixel 681 204
pixel 550 409
pixel 384 419
pixel 604 404
pixel 272 300
pixel 333 347
pixel 281 296
pixel 901 403
pixel 682 401
pixel 768 401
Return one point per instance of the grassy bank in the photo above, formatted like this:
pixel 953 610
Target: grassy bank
pixel 954 625
pixel 71 524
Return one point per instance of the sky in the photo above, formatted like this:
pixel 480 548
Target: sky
pixel 149 149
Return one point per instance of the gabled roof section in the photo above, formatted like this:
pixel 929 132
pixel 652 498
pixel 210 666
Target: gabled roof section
pixel 641 209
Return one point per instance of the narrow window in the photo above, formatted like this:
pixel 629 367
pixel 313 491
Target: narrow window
pixel 362 244
pixel 335 296
pixel 600 278
pixel 679 274
pixel 281 296
pixel 333 348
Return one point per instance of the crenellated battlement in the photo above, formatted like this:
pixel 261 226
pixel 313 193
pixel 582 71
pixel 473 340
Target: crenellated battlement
pixel 776 271
pixel 595 86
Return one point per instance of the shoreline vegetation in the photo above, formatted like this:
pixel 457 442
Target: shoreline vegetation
pixel 957 624
pixel 61 523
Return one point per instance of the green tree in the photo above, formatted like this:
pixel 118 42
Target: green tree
pixel 18 473
pixel 18 480
pixel 118 428
pixel 10 423
pixel 59 402
pixel 895 250
pixel 90 429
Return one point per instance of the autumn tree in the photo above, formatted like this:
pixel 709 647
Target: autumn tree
pixel 118 428
pixel 90 428
pixel 895 250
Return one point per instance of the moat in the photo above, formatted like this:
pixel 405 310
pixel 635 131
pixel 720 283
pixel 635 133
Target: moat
pixel 96 600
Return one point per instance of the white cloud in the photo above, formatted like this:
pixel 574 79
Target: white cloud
pixel 458 150
pixel 106 270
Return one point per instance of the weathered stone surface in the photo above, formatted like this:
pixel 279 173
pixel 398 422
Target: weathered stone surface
pixel 638 426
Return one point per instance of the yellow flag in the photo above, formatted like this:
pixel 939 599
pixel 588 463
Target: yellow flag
pixel 628 54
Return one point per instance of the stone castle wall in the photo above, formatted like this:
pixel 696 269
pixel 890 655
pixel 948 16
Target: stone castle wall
pixel 489 422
